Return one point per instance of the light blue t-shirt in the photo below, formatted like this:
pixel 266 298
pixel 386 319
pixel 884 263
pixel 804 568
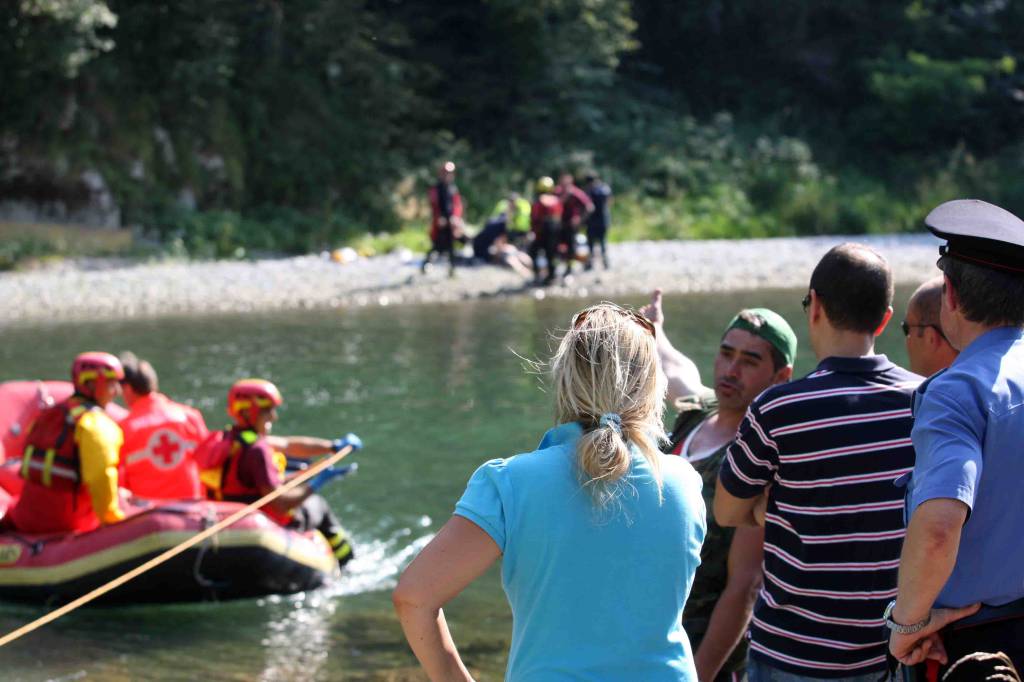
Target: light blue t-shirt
pixel 595 594
pixel 969 441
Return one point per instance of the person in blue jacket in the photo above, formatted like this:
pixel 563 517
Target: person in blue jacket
pixel 598 533
pixel 961 576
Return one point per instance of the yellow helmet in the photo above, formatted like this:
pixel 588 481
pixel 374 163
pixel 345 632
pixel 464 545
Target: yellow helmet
pixel 545 185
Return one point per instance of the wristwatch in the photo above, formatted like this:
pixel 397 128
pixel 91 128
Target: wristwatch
pixel 900 628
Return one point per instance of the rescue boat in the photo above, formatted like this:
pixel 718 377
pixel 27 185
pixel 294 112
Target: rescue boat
pixel 253 557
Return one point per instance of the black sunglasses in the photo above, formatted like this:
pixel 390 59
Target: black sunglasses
pixel 806 302
pixel 906 327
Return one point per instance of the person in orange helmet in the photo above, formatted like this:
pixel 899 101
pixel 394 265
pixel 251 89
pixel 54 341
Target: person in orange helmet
pixel 244 462
pixel 160 438
pixel 71 455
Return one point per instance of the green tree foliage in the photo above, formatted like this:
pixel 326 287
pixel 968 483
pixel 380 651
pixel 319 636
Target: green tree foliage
pixel 266 124
pixel 44 44
pixel 919 76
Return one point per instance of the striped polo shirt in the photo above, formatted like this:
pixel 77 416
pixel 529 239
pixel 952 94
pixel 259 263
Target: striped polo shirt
pixel 831 445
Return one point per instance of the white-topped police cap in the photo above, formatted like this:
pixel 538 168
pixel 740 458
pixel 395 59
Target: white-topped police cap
pixel 979 232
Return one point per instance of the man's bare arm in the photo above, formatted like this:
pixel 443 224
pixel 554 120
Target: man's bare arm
pixel 732 511
pixel 928 557
pixel 731 614
pixel 303 447
pixel 681 372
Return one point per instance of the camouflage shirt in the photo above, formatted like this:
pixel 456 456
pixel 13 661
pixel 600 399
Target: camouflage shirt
pixel 709 582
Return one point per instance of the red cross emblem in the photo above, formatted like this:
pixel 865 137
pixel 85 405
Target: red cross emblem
pixel 166 449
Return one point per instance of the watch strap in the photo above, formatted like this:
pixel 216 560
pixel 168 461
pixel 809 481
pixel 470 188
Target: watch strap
pixel 900 628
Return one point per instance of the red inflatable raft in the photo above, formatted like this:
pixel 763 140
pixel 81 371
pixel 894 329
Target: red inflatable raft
pixel 254 557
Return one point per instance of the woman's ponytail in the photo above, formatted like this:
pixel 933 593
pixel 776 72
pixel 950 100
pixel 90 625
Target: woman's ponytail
pixel 603 457
pixel 606 378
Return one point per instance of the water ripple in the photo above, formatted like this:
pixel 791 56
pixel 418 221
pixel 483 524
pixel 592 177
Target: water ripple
pixel 377 564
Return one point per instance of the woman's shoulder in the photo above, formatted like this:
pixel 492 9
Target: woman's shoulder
pixel 675 470
pixel 552 448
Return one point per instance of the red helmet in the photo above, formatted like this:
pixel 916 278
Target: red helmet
pixel 97 367
pixel 248 396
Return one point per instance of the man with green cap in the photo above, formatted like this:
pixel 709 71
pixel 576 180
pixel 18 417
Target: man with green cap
pixel 756 351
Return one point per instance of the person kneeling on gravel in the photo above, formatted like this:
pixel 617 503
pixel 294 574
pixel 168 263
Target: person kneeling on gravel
pixel 244 462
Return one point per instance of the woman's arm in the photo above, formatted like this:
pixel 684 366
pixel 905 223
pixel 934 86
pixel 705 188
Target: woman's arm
pixel 459 554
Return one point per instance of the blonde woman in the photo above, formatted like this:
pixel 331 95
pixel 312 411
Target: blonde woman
pixel 599 534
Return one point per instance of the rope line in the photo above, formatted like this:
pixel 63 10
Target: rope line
pixel 177 549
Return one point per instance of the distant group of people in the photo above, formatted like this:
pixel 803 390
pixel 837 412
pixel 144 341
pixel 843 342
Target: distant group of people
pixel 857 518
pixel 518 231
pixel 81 469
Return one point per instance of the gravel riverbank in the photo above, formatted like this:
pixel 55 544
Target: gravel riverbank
pixel 105 290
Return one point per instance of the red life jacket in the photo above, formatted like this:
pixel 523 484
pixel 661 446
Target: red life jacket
pixel 219 457
pixel 575 202
pixel 546 209
pixel 53 499
pixel 160 437
pixel 435 208
pixel 51 455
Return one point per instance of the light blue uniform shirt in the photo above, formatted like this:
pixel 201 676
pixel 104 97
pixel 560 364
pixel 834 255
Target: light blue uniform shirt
pixel 595 595
pixel 969 439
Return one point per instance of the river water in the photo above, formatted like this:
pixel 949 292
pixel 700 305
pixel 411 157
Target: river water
pixel 433 391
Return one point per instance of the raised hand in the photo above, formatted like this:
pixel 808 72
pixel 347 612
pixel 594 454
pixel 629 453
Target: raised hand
pixel 652 311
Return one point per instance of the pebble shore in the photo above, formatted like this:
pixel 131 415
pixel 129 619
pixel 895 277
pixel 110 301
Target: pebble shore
pixel 117 290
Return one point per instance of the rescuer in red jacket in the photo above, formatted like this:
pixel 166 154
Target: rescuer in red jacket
pixel 445 216
pixel 545 215
pixel 70 459
pixel 246 463
pixel 576 206
pixel 160 438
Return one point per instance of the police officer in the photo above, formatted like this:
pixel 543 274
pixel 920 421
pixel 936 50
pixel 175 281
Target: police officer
pixel 962 550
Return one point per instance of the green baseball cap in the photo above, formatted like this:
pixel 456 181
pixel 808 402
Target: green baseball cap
pixel 774 329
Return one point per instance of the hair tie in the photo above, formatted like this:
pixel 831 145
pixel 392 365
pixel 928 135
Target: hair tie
pixel 612 420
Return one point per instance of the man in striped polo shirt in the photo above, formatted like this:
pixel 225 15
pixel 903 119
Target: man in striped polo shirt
pixel 818 457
